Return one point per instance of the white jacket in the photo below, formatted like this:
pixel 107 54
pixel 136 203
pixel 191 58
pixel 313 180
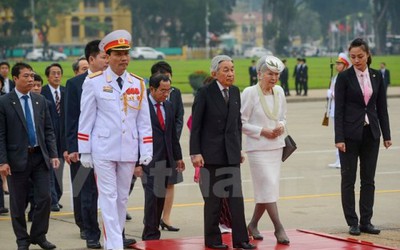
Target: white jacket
pixel 114 124
pixel 254 119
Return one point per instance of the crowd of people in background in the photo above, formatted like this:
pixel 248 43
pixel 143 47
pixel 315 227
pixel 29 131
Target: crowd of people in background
pixel 111 129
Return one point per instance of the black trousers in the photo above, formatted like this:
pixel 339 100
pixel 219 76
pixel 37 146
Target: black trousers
pixel 19 185
pixel 76 193
pixel 155 182
pixel 367 151
pixel 218 182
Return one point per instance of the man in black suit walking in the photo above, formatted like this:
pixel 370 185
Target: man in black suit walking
pixel 253 73
pixel 83 181
pixel 215 146
pixel 27 151
pixel 54 93
pixel 8 83
pixel 167 154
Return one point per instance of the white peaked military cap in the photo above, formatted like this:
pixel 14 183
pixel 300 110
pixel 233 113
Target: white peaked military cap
pixel 272 63
pixel 116 40
pixel 342 58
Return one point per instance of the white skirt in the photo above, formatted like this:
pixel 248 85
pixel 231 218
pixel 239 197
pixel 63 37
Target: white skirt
pixel 265 169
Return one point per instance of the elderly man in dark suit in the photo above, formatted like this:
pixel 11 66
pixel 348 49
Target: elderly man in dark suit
pixel 83 181
pixel 54 93
pixel 167 154
pixel 27 142
pixel 215 146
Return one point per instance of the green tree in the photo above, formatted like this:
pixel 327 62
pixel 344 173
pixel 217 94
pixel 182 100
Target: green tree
pixel 46 13
pixel 183 23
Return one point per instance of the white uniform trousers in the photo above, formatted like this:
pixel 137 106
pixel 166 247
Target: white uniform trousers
pixel 113 182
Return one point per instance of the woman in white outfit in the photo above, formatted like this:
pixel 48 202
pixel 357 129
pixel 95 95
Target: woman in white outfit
pixel 264 118
pixel 342 63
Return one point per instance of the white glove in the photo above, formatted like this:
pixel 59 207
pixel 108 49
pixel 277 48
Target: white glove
pixel 86 160
pixel 145 160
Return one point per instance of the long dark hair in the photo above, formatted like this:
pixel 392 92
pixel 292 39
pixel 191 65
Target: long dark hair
pixel 359 42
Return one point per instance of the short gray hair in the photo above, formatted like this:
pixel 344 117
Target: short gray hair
pixel 217 60
pixel 75 65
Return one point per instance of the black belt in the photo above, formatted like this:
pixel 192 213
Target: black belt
pixel 32 150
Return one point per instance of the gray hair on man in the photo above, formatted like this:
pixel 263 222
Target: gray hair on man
pixel 217 60
pixel 270 62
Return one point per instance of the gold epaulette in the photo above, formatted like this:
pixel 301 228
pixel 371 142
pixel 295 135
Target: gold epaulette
pixel 94 74
pixel 136 76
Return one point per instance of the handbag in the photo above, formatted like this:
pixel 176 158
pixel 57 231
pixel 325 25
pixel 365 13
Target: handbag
pixel 290 147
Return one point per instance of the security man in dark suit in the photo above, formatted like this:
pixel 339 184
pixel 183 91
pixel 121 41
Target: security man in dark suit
pixel 215 146
pixel 83 180
pixel 360 117
pixel 253 73
pixel 167 154
pixel 8 83
pixel 27 151
pixel 55 94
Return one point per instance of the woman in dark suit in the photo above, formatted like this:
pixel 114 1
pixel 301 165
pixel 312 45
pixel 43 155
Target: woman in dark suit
pixel 360 117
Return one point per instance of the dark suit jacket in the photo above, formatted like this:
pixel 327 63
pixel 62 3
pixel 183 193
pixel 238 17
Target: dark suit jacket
pixel 58 120
pixel 165 141
pixel 14 132
pixel 253 75
pixel 350 108
pixel 176 99
pixel 284 76
pixel 386 77
pixel 72 104
pixel 216 129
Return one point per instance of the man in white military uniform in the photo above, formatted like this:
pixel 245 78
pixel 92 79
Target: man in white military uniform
pixel 114 126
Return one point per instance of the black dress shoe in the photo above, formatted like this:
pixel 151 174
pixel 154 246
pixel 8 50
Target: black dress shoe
pixel 60 205
pixel 3 210
pixel 55 208
pixel 354 230
pixel 369 229
pixel 244 245
pixel 83 235
pixel 47 245
pixel 24 247
pixel 128 217
pixel 169 228
pixel 217 246
pixel 93 244
pixel 128 243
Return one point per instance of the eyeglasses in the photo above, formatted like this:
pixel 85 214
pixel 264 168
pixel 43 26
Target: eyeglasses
pixel 55 73
pixel 165 91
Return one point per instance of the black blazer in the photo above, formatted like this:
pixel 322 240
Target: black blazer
pixel 14 140
pixel 164 141
pixel 176 99
pixel 386 77
pixel 216 127
pixel 58 120
pixel 350 108
pixel 72 104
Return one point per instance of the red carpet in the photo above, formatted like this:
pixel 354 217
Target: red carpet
pixel 299 240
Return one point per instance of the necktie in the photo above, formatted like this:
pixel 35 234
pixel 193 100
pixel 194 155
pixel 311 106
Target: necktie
pixel 58 108
pixel 119 80
pixel 366 89
pixel 160 116
pixel 226 95
pixel 29 122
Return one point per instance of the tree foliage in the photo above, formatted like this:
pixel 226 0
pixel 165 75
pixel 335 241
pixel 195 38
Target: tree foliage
pixel 182 24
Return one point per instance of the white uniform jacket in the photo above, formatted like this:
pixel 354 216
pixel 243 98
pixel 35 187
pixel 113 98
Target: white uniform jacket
pixel 254 119
pixel 114 124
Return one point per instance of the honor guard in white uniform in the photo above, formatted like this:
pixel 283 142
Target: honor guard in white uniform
pixel 114 126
